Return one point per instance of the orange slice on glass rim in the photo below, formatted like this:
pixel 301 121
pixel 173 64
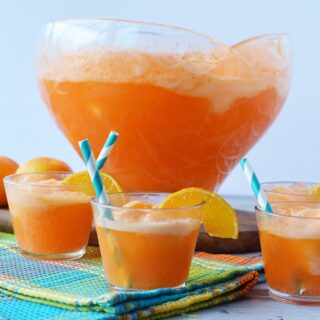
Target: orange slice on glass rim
pixel 219 218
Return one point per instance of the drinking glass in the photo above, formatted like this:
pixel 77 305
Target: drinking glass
pixel 144 247
pixel 50 220
pixel 290 245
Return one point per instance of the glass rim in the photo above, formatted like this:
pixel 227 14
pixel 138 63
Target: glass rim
pixel 287 182
pixel 163 25
pixel 95 202
pixel 265 35
pixel 10 179
pixel 258 210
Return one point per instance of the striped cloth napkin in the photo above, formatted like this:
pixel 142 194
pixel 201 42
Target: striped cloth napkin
pixel 33 289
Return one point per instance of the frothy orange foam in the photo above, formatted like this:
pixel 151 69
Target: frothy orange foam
pixel 242 72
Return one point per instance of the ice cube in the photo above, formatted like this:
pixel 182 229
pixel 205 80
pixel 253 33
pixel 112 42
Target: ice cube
pixel 314 265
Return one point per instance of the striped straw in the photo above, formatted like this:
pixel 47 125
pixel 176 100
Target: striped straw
pixel 255 186
pixel 105 152
pixel 94 174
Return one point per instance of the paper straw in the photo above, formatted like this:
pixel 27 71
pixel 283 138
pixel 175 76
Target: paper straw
pixel 94 174
pixel 105 152
pixel 255 186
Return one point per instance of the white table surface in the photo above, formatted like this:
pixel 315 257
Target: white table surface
pixel 257 305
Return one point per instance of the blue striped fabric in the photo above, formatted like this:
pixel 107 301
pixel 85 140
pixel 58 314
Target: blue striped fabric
pixel 34 289
pixel 12 308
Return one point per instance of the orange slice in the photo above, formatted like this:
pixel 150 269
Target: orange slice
pixel 82 177
pixel 138 205
pixel 315 190
pixel 219 218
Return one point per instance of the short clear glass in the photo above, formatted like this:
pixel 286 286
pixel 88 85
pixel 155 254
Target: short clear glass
pixel 290 245
pixel 146 248
pixel 51 220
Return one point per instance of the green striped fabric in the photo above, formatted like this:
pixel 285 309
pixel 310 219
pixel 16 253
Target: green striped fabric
pixel 78 289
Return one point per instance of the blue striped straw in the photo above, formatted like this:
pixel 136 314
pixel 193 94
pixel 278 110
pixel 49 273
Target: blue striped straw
pixel 255 186
pixel 106 150
pixel 94 174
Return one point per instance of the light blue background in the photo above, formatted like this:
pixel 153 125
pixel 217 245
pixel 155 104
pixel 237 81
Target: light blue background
pixel 290 149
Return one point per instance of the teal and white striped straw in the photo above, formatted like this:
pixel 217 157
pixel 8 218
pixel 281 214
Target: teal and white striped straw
pixel 94 174
pixel 255 186
pixel 107 148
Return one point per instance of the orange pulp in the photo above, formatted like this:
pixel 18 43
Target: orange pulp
pixel 292 266
pixel 51 229
pixel 140 260
pixel 168 140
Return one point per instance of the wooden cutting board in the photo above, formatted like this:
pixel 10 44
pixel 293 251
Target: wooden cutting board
pixel 248 240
